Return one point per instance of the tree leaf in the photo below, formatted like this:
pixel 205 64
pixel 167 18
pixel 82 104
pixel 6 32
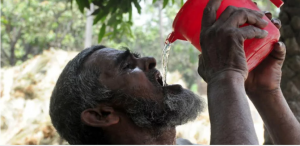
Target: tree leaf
pixel 3 20
pixel 96 11
pixel 80 5
pixel 113 10
pixel 173 2
pixel 182 2
pixel 154 1
pixel 165 3
pixel 137 6
pixel 71 1
pixel 103 19
pixel 130 14
pixel 111 20
pixel 86 3
pixel 99 16
pixel 101 32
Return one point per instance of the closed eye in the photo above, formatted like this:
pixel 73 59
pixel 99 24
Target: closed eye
pixel 127 66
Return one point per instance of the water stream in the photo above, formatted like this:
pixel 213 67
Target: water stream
pixel 165 57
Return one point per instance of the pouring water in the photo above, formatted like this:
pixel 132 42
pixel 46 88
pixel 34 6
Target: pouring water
pixel 165 57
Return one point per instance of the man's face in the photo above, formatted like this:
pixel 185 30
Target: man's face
pixel 139 84
pixel 125 72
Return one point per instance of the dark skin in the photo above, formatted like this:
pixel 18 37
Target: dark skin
pixel 228 108
pixel 263 88
pixel 129 74
pixel 130 80
pixel 223 66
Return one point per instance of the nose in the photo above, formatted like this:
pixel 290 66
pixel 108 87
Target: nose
pixel 148 63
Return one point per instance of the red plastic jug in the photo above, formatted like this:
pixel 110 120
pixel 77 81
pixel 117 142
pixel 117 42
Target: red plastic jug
pixel 187 26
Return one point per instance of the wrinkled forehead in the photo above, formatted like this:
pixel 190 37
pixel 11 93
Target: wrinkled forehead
pixel 105 57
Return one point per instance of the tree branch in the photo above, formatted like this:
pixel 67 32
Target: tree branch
pixel 4 53
pixel 12 47
pixel 28 49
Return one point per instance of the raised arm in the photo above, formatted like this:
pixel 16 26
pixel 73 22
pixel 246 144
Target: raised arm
pixel 231 121
pixel 223 66
pixel 263 88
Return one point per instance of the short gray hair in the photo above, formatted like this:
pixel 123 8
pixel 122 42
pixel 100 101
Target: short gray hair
pixel 77 89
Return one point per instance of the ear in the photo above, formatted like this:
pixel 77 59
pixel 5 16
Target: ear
pixel 101 116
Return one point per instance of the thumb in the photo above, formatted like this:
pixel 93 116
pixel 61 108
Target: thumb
pixel 279 52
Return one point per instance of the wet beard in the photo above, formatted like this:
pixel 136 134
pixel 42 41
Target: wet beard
pixel 178 107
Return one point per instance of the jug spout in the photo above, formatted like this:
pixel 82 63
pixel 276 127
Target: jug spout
pixel 174 36
pixel 277 3
pixel 171 38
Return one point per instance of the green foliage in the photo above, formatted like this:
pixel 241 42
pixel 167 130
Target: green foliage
pixel 44 24
pixel 30 26
pixel 114 14
pixel 194 88
pixel 81 4
pixel 101 33
pixel 165 3
pixel 266 5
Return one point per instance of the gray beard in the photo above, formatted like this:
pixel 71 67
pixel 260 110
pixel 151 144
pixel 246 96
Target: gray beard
pixel 177 107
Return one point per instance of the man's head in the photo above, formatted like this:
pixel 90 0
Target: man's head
pixel 103 92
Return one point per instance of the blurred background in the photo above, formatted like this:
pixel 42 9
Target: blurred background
pixel 39 37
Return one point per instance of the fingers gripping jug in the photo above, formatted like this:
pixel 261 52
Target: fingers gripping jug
pixel 187 26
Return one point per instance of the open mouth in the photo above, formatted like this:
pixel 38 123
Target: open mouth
pixel 159 81
pixel 158 78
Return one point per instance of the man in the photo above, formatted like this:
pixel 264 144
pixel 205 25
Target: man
pixel 107 96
